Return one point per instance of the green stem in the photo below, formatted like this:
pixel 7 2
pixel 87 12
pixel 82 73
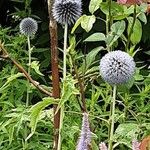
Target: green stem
pixel 29 70
pixel 109 22
pixel 65 51
pixel 112 118
pixel 110 15
pixel 64 79
pixel 131 30
pixel 28 88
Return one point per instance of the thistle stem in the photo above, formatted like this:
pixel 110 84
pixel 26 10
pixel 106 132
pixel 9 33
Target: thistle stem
pixel 28 86
pixel 29 70
pixel 112 118
pixel 64 79
pixel 65 51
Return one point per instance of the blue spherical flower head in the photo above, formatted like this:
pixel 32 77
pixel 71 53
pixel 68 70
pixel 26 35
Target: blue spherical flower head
pixel 28 26
pixel 66 11
pixel 117 67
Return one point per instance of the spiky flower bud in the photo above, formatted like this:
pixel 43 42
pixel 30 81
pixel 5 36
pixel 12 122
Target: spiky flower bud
pixel 67 11
pixel 102 146
pixel 117 67
pixel 28 26
pixel 85 135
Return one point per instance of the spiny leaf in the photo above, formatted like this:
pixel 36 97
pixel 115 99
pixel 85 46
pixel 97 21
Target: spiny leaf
pixel 35 65
pixel 36 111
pixel 9 80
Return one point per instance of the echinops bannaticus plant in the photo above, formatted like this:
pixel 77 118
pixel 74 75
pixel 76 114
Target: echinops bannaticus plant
pixel 67 11
pixel 28 26
pixel 117 67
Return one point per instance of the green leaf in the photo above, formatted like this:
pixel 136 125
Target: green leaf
pixel 90 58
pixel 87 22
pixel 69 90
pixel 142 8
pixel 9 80
pixel 116 9
pixel 78 22
pixel 11 132
pixel 35 65
pixel 117 30
pixel 72 45
pixel 137 30
pixel 94 5
pixel 95 37
pixel 36 111
pixel 126 132
pixel 138 76
pixel 142 17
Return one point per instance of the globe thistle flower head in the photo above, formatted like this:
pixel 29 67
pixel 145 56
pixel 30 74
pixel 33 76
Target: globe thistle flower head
pixel 66 11
pixel 28 26
pixel 117 67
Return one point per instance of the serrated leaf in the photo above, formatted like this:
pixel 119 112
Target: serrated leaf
pixel 95 37
pixel 36 111
pixel 94 5
pixel 11 133
pixel 69 90
pixel 35 65
pixel 9 80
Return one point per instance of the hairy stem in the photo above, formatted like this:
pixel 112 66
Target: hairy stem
pixel 28 89
pixel 64 79
pixel 65 52
pixel 112 118
pixel 29 70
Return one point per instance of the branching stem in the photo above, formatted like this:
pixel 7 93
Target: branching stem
pixel 35 83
